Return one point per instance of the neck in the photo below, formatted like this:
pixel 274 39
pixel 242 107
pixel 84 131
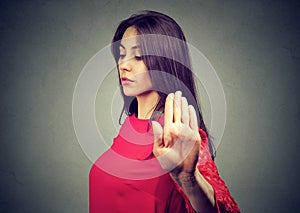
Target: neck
pixel 146 104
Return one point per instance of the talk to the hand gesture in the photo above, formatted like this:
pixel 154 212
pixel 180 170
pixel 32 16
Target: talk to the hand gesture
pixel 176 144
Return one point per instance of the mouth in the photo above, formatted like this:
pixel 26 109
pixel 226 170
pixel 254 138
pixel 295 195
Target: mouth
pixel 125 80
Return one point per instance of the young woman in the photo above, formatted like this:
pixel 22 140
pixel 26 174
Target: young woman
pixel 162 158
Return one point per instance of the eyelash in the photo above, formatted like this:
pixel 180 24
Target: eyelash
pixel 138 58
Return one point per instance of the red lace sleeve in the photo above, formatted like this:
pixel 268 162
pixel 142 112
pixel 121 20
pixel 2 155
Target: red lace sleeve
pixel 207 167
pixel 209 171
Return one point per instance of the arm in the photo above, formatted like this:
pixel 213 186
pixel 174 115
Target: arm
pixel 206 167
pixel 198 192
pixel 176 147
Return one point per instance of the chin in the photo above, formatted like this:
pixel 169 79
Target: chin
pixel 130 93
pixel 134 93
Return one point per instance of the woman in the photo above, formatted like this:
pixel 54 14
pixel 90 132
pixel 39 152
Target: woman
pixel 164 126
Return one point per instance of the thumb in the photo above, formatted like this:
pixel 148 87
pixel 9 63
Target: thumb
pixel 157 132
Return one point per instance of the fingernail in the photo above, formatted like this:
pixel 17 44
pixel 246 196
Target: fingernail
pixel 179 93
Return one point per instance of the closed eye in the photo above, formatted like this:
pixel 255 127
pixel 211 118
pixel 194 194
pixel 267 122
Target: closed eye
pixel 138 58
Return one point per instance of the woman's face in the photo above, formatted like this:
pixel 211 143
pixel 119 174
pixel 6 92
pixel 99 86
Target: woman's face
pixel 133 72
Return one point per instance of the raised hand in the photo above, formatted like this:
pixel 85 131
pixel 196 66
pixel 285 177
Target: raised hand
pixel 176 145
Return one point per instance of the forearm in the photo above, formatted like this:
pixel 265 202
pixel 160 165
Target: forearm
pixel 199 192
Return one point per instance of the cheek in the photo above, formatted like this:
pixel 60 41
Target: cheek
pixel 148 80
pixel 144 79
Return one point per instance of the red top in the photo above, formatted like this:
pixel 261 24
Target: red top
pixel 128 178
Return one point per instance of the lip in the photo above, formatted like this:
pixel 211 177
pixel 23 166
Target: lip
pixel 125 80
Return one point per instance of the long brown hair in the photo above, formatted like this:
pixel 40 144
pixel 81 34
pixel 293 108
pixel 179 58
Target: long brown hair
pixel 155 23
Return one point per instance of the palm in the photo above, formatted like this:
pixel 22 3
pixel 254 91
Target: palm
pixel 177 143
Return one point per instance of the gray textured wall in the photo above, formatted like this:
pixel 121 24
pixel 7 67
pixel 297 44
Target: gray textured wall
pixel 254 46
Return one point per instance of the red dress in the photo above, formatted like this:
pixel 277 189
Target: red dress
pixel 128 178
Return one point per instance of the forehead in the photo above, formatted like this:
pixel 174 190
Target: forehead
pixel 129 38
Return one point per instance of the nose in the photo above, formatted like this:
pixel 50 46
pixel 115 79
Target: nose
pixel 125 64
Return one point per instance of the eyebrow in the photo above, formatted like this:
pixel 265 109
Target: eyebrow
pixel 134 47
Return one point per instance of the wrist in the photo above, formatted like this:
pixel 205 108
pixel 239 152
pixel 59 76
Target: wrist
pixel 186 180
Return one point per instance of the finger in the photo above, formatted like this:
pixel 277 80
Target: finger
pixel 167 138
pixel 158 134
pixel 169 108
pixel 193 118
pixel 184 111
pixel 177 106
